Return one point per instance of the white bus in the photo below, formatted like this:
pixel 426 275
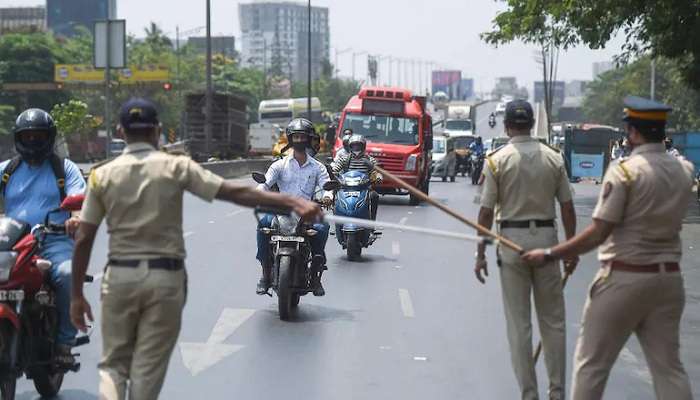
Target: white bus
pixel 281 111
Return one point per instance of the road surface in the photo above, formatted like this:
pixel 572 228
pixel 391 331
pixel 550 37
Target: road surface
pixel 409 322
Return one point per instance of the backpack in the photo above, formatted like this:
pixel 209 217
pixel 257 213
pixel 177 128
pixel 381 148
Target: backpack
pixel 57 165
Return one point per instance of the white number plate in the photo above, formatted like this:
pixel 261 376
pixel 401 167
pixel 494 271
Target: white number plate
pixel 11 295
pixel 352 194
pixel 277 238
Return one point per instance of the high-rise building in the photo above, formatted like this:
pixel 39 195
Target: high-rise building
pixel 576 88
pixel 225 45
pixel 63 16
pixel 274 38
pixel 558 92
pixel 22 19
pixel 601 67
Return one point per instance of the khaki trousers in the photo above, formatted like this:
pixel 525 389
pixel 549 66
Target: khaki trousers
pixel 141 316
pixel 519 282
pixel 619 304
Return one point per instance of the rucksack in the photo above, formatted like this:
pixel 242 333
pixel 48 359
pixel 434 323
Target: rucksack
pixel 57 165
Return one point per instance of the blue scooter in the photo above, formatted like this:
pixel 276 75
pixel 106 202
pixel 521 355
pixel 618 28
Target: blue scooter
pixel 352 200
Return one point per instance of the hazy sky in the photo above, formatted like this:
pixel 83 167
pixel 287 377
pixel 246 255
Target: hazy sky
pixel 442 31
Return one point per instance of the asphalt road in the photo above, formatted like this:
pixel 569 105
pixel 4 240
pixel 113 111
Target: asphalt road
pixel 410 322
pixel 482 121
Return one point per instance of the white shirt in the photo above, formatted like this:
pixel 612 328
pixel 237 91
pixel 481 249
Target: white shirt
pixel 294 179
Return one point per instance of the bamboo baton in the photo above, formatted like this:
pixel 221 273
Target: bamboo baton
pixel 416 192
pixel 539 344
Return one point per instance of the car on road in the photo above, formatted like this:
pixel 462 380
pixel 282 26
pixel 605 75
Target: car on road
pixel 501 108
pixel 444 160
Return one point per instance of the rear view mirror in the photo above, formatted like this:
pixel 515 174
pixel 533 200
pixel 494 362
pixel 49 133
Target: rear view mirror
pixel 331 185
pixel 258 177
pixel 73 202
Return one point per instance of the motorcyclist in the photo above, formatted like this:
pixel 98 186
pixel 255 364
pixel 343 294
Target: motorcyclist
pixel 297 174
pixel 347 134
pixel 34 183
pixel 359 160
pixel 492 120
pixel 670 149
pixel 477 147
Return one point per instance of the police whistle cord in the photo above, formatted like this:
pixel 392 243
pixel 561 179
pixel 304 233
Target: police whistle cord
pixel 565 279
pixel 366 223
pixel 481 229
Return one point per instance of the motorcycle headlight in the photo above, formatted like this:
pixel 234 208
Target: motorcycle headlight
pixel 7 261
pixel 411 162
pixel 287 225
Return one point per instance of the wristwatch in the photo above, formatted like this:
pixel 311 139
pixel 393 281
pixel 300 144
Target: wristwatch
pixel 548 257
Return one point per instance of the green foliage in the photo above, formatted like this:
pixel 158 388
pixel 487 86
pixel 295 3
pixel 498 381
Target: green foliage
pixel 7 119
pixel 73 118
pixel 666 28
pixel 603 104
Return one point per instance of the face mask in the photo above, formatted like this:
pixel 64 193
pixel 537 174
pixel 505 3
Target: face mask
pixel 299 146
pixel 356 153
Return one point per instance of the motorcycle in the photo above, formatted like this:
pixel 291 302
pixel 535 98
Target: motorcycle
pixel 477 161
pixel 492 121
pixel 352 199
pixel 290 246
pixel 28 315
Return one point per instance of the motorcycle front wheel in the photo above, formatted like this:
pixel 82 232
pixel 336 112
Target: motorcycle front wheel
pixel 354 250
pixel 285 295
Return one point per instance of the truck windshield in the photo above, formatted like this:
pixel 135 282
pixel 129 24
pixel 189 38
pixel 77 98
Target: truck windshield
pixel 459 125
pixel 383 129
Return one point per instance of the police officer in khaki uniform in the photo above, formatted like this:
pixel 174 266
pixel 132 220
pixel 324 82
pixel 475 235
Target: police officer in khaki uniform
pixel 143 289
pixel 522 181
pixel 639 289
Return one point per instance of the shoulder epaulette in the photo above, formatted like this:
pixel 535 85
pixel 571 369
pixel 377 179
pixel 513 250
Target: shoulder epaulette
pixel 102 163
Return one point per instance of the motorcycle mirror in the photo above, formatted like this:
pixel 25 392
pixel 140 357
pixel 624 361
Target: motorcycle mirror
pixel 258 177
pixel 331 185
pixel 73 202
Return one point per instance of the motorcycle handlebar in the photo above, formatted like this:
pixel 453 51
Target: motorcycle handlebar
pixel 56 228
pixel 273 210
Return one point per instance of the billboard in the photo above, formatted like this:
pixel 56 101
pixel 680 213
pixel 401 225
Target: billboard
pixel 85 73
pixel 448 82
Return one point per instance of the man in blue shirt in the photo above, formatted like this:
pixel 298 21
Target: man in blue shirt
pixel 477 147
pixel 33 189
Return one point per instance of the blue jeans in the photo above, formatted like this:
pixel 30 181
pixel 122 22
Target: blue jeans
pixel 59 252
pixel 318 242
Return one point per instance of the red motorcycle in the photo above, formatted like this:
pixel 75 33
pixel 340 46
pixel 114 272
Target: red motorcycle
pixel 28 315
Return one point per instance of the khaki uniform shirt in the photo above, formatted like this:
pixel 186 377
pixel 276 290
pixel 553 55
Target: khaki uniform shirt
pixel 646 196
pixel 523 178
pixel 140 195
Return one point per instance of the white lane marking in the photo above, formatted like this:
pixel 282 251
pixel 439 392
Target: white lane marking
pixel 406 304
pixel 639 368
pixel 410 213
pixel 398 267
pixel 187 234
pixel 233 214
pixel 384 347
pixel 395 249
pixel 211 222
pixel 420 358
pixel 403 220
pixel 197 357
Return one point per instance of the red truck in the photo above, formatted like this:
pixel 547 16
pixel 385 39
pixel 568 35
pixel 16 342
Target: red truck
pixel 399 134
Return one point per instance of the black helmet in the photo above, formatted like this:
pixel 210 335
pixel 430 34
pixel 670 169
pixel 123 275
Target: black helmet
pixel 347 134
pixel 35 119
pixel 299 125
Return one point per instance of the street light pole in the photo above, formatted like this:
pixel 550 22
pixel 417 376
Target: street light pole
pixel 308 98
pixel 209 94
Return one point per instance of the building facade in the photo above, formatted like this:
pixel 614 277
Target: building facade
pixel 602 67
pixel 22 19
pixel 558 93
pixel 64 16
pixel 225 45
pixel 274 38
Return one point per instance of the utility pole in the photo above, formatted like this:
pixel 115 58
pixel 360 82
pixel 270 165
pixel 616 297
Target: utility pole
pixel 308 98
pixel 653 78
pixel 108 92
pixel 209 94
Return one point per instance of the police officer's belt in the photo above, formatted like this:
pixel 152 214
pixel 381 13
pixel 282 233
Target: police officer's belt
pixel 170 264
pixel 540 223
pixel 622 266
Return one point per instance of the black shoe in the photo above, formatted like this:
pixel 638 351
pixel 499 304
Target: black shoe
pixel 318 265
pixel 318 289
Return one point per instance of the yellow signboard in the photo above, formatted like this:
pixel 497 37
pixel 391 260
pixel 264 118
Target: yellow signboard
pixel 88 74
pixel 77 73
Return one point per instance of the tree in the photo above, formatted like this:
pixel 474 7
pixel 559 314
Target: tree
pixel 603 103
pixel 663 28
pixel 73 118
